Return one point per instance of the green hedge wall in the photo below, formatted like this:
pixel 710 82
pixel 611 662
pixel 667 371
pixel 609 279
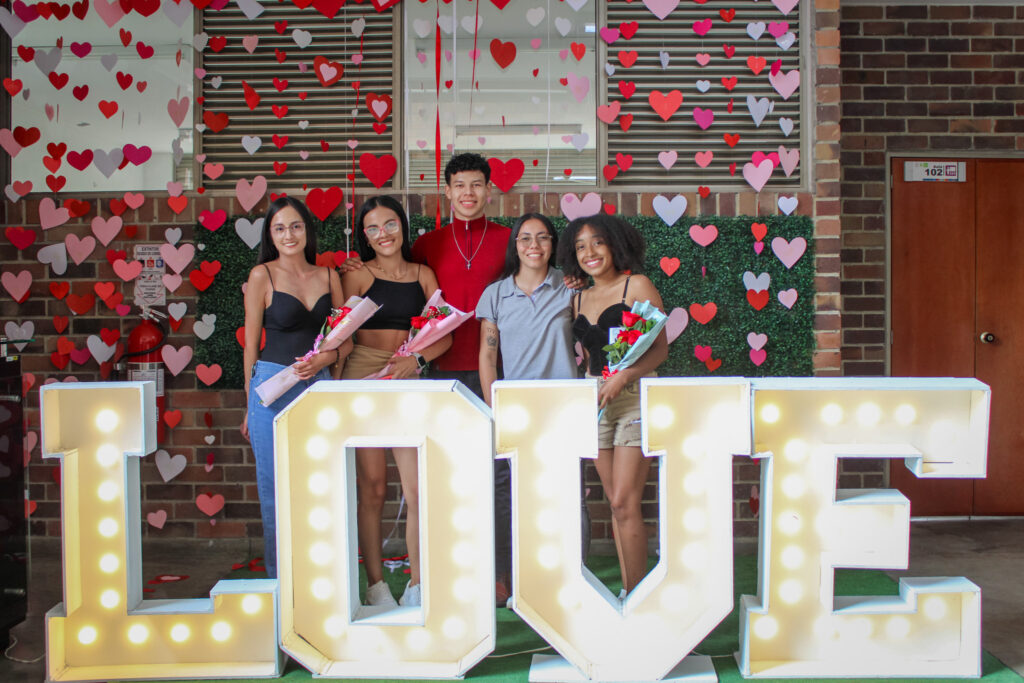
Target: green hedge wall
pixel 705 274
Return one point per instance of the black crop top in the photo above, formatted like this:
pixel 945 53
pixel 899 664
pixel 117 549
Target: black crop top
pixel 292 328
pixel 594 338
pixel 399 302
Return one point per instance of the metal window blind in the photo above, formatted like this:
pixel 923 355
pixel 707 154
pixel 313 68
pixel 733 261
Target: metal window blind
pixel 328 110
pixel 649 134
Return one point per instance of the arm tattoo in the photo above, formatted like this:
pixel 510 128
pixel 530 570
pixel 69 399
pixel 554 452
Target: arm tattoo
pixel 492 339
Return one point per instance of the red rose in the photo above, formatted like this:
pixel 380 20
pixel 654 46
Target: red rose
pixel 418 322
pixel 629 319
pixel 632 336
pixel 432 312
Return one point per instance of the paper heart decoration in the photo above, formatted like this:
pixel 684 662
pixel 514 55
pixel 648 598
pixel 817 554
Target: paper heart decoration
pixel 21 238
pixel 205 327
pixel 127 271
pixel 378 170
pixel 101 351
pixel 756 341
pixel 785 6
pixel 171 281
pixel 669 210
pixel 172 418
pixel 788 297
pixel 678 319
pixel 788 204
pixel 758 356
pixel 504 53
pixel 703 313
pixel 176 359
pixel 758 109
pixel 661 8
pixel 249 232
pixel 208 374
pixel 758 299
pixel 785 83
pixel 789 252
pixel 668 158
pixel 789 159
pixel 178 258
pixel 579 86
pixel 169 466
pixel 159 518
pixel 50 216
pixel 212 220
pixel 506 174
pixel 573 207
pixel 177 310
pixel 703 117
pixel 703 159
pixel 24 331
pixel 172 235
pixel 757 175
pixel 702 353
pixel 249 194
pixel 665 104
pixel 703 235
pixel 55 256
pixel 17 285
pixel 756 282
pixel 755 29
pixel 786 40
pixel 209 505
pixel 323 202
pixel 669 265
pixel 786 125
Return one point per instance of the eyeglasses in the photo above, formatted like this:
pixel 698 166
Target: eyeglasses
pixel 542 239
pixel 391 227
pixel 280 228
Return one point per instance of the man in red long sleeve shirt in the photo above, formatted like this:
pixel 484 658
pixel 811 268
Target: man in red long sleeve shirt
pixel 467 255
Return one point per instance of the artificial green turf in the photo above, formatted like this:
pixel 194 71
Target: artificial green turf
pixel 517 642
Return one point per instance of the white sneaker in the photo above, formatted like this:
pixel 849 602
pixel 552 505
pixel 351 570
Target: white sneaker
pixel 380 594
pixel 411 596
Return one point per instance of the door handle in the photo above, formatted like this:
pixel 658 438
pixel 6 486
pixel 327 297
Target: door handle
pixel 987 337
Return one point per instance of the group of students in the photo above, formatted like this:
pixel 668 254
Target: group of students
pixel 528 314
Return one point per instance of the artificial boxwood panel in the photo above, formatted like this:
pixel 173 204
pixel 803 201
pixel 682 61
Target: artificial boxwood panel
pixel 705 274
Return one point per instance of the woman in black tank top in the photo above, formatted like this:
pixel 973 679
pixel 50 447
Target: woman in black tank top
pixel 287 300
pixel 401 288
pixel 611 251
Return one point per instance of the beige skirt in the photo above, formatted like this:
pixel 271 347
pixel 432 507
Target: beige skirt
pixel 364 361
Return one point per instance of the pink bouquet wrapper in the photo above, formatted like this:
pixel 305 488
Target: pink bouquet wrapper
pixel 362 308
pixel 429 333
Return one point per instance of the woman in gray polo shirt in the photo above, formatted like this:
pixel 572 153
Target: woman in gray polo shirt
pixel 526 314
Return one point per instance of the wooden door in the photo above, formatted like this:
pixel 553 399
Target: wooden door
pixel 957 258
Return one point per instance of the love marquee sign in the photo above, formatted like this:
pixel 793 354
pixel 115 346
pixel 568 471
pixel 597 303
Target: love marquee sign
pixel 793 627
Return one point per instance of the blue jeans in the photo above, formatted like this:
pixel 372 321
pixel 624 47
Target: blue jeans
pixel 261 436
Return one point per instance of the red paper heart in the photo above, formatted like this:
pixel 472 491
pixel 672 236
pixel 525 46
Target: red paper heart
pixel 252 98
pixel 628 29
pixel 669 265
pixel 731 139
pixel 703 313
pixel 704 191
pixel 327 72
pixel 627 88
pixel 215 122
pixel 759 230
pixel 80 304
pixel 378 105
pixel 506 174
pixel 627 58
pixel 323 202
pixel 59 290
pixel 625 121
pixel 504 53
pixel 756 64
pixel 60 323
pixel 20 237
pixel 378 170
pixel 172 418
pixel 757 299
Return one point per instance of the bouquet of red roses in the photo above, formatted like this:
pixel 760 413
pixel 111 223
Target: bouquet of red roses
pixel 437 319
pixel 339 326
pixel 640 327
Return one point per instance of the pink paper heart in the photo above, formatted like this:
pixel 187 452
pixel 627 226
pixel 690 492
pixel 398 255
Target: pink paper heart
pixel 176 359
pixel 157 519
pixel 758 356
pixel 703 58
pixel 756 341
pixel 758 247
pixel 171 282
pixel 703 158
pixel 50 216
pixel 788 297
pixel 357 59
pixel 702 353
pixel 123 310
pixel 678 319
pixel 573 207
pixel 422 56
pixel 789 252
pixel 79 249
pixel 758 174
pixel 668 159
pixel 535 43
pixel 127 271
pixel 106 229
pixel 563 54
pixel 703 235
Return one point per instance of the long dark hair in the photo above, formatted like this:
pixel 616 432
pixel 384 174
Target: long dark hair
pixel 512 253
pixel 366 251
pixel 626 244
pixel 268 252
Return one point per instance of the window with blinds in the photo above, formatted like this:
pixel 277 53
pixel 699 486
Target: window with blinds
pixel 679 152
pixel 319 139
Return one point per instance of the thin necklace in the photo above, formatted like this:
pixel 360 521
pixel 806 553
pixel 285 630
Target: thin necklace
pixel 397 276
pixel 469 261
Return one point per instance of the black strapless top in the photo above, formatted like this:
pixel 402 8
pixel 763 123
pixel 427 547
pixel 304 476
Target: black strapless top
pixel 593 338
pixel 292 328
pixel 399 302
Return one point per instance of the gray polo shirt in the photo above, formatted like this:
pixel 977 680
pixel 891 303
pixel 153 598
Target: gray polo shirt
pixel 535 331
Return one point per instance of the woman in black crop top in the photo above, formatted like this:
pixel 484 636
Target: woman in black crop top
pixel 611 251
pixel 401 288
pixel 287 299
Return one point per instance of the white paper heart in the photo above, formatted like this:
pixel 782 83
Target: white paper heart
pixel 757 283
pixel 756 341
pixel 786 124
pixel 172 235
pixel 251 143
pixel 788 204
pixel 169 466
pixel 755 29
pixel 99 350
pixel 15 332
pixel 205 327
pixel 249 232
pixel 55 256
pixel 669 210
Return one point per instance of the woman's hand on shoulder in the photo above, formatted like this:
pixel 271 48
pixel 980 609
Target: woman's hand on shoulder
pixel 351 264
pixel 576 283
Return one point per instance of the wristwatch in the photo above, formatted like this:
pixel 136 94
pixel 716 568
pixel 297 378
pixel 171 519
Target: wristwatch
pixel 421 362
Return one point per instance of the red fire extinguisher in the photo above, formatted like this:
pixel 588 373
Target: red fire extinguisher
pixel 143 360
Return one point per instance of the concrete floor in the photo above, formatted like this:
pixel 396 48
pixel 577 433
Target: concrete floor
pixel 988 552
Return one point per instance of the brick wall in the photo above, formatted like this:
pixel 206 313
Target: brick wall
pixel 232 473
pixel 938 78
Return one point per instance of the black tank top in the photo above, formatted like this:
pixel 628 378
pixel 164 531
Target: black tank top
pixel 292 328
pixel 594 338
pixel 399 302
